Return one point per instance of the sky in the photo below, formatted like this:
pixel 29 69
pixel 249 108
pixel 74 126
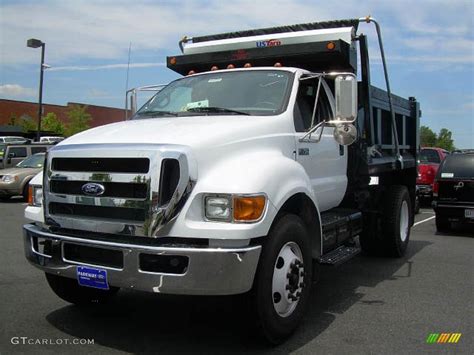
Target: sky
pixel 429 47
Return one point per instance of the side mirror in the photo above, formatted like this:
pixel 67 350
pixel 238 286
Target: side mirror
pixel 346 98
pixel 11 155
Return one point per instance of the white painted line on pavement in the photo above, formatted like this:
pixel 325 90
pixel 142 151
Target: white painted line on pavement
pixel 424 220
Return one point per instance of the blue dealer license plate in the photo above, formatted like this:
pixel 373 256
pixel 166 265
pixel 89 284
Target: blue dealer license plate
pixel 92 277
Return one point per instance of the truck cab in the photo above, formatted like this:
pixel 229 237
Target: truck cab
pixel 266 160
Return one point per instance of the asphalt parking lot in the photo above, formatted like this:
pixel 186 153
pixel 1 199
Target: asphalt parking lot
pixel 368 305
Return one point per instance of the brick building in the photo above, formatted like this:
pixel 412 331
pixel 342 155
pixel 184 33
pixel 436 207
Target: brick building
pixel 101 115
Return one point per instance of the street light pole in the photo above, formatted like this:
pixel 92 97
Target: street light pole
pixel 36 43
pixel 40 100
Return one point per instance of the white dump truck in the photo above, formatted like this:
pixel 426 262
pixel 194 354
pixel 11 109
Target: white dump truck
pixel 270 156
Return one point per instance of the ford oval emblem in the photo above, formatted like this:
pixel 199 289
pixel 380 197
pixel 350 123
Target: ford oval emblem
pixel 93 189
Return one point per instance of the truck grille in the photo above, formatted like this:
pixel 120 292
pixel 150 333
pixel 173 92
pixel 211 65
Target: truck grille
pixel 129 190
pixel 100 212
pixel 112 189
pixel 110 165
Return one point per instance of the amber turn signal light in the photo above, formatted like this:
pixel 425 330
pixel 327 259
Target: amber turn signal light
pixel 248 208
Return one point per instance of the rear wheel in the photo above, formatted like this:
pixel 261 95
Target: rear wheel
pixel 442 223
pixel 70 291
pixel 389 234
pixel 283 281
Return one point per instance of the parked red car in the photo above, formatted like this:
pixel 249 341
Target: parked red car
pixel 429 159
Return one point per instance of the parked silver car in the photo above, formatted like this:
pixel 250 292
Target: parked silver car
pixel 14 181
pixel 12 154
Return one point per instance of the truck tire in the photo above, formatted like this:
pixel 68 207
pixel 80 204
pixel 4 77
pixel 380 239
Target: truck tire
pixel 390 233
pixel 397 221
pixel 442 223
pixel 283 281
pixel 70 291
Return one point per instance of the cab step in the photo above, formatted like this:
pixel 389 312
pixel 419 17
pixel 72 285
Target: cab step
pixel 339 255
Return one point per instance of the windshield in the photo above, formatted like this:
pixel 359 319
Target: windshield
pixel 34 161
pixel 253 92
pixel 429 156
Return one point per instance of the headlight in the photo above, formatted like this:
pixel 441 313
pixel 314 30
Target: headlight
pixel 236 208
pixel 9 178
pixel 218 208
pixel 35 195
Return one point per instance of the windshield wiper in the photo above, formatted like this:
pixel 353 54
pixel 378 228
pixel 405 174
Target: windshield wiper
pixel 217 110
pixel 157 113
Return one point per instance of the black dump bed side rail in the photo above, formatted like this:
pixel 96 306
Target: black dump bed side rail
pixel 377 148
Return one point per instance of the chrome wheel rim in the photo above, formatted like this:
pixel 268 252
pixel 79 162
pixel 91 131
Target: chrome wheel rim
pixel 404 221
pixel 288 279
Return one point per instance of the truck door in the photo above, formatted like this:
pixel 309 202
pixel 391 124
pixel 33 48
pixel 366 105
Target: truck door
pixel 324 160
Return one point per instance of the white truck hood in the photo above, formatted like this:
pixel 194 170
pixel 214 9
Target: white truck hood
pixel 193 131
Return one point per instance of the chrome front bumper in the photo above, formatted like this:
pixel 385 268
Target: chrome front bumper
pixel 210 271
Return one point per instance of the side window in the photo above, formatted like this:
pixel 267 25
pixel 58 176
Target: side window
pixel 35 150
pixel 304 106
pixel 19 152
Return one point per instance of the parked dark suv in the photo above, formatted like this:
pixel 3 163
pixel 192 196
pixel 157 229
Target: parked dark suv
pixel 453 191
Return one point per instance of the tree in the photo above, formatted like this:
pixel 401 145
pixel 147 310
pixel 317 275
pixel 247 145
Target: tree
pixel 445 140
pixel 78 119
pixel 51 123
pixel 427 137
pixel 13 120
pixel 27 124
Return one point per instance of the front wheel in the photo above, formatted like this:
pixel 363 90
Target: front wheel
pixel 283 281
pixel 70 291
